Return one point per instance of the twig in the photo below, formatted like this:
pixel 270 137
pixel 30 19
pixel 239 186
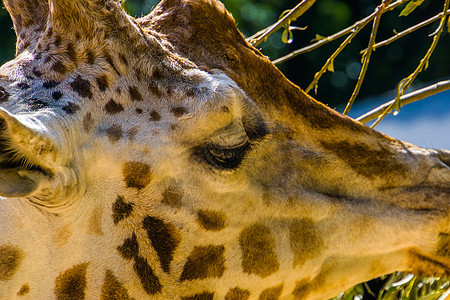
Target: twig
pixel 366 56
pixel 334 36
pixel 406 99
pixel 406 31
pixel 333 56
pixel 406 82
pixel 296 12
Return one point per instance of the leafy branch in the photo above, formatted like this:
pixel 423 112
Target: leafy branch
pixel 406 82
pixel 291 16
pixel 335 36
pixel 366 57
pixel 407 31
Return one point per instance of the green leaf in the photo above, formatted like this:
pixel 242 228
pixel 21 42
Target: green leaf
pixel 410 7
pixel 284 13
pixel 330 67
pixel 287 37
pixel 318 38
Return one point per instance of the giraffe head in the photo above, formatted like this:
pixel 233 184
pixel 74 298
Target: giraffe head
pixel 165 157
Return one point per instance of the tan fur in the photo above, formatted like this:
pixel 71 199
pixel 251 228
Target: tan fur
pixel 166 158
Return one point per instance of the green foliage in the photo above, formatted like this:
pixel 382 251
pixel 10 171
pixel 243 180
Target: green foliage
pixel 402 286
pixel 410 7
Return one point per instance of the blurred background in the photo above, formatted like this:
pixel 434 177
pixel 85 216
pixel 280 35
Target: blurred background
pixel 426 122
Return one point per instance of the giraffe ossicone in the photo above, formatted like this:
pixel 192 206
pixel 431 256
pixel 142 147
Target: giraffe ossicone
pixel 165 158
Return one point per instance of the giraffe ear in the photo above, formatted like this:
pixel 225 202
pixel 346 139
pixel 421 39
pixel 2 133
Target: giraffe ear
pixel 64 17
pixel 84 16
pixel 29 18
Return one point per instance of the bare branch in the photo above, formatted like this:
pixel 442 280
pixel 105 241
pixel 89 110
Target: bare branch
pixel 335 36
pixel 296 12
pixel 329 63
pixel 406 82
pixel 406 99
pixel 407 31
pixel 366 56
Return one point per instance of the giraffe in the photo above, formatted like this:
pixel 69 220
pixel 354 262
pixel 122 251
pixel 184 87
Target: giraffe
pixel 163 157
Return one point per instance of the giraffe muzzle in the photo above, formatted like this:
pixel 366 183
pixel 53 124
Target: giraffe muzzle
pixel 21 170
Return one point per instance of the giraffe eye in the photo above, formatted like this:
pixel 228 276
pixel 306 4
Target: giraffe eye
pixel 225 158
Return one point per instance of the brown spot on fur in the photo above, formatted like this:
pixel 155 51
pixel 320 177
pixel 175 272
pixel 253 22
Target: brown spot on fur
pixel 272 293
pixel 71 108
pixel 90 57
pixel 114 133
pixel 305 242
pixel 57 95
pixel 134 93
pixel 130 248
pixel 148 279
pixel 112 107
pixel 59 67
pixel 121 209
pixel 82 87
pixel 154 116
pixel 95 221
pixel 72 283
pixel 23 86
pixel 157 74
pixel 154 89
pixel 136 174
pixel 24 289
pixel 139 110
pixel 211 220
pixel 131 133
pixel 237 294
pixel 4 95
pixel 204 262
pixel 70 50
pixel 10 259
pixel 50 84
pixel 102 82
pixel 36 72
pixel 123 59
pixel 172 196
pixel 57 41
pixel 164 239
pixel 364 160
pixel 178 111
pixel 112 288
pixel 88 122
pixel 202 296
pixel 301 289
pixel 258 255
pixel 138 73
